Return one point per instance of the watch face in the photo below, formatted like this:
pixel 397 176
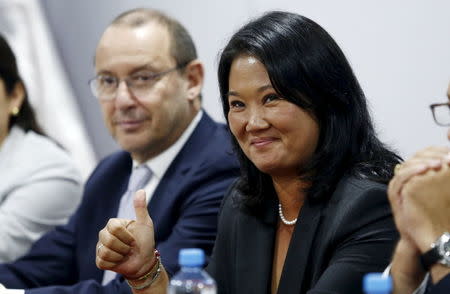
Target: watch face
pixel 444 249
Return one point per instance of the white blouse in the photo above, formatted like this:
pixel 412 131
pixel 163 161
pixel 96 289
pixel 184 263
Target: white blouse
pixel 39 189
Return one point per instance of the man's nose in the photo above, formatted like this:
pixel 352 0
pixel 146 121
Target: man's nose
pixel 124 97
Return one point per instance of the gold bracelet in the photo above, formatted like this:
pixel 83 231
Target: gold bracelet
pixel 154 273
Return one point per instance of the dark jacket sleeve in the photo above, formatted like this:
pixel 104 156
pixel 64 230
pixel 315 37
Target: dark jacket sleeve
pixel 55 258
pixel 50 260
pixel 224 248
pixel 442 287
pixel 362 242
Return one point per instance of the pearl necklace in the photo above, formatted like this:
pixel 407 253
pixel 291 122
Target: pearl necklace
pixel 283 219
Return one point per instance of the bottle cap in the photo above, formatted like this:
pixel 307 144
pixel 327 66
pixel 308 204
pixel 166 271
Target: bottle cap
pixel 191 257
pixel 376 283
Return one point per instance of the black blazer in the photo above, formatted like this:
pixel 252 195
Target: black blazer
pixel 334 243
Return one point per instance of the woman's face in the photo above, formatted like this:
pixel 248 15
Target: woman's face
pixel 7 103
pixel 275 134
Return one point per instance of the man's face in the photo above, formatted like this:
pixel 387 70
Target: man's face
pixel 145 125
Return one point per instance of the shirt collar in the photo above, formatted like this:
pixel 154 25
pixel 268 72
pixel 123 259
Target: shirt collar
pixel 15 135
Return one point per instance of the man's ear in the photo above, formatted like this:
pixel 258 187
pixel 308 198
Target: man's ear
pixel 195 75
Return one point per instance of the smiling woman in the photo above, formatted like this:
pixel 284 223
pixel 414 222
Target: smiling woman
pixel 266 126
pixel 309 213
pixel 308 151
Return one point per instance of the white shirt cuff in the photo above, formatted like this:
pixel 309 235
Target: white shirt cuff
pixel 3 290
pixel 420 290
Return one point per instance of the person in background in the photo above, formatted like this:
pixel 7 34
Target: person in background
pixel 310 212
pixel 148 82
pixel 40 186
pixel 420 198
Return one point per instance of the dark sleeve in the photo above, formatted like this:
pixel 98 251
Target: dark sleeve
pixel 442 287
pixel 363 242
pixel 117 286
pixel 224 248
pixel 51 260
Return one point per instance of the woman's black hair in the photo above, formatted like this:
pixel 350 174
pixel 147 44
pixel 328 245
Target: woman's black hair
pixel 9 73
pixel 307 67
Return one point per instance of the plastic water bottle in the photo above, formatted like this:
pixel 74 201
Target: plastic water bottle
pixel 376 283
pixel 192 278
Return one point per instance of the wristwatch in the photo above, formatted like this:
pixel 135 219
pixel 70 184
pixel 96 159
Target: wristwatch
pixel 439 252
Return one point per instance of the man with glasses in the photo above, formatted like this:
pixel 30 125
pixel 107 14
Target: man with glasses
pixel 420 199
pixel 148 82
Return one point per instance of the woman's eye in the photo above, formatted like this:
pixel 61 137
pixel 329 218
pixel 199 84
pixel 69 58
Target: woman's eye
pixel 236 104
pixel 271 97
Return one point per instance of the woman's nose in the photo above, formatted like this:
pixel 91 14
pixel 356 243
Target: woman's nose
pixel 256 121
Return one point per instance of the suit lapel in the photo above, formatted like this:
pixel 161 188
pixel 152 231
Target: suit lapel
pixel 255 245
pixel 296 263
pixel 173 179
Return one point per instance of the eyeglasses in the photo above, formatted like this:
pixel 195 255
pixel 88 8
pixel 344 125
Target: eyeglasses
pixel 104 86
pixel 441 113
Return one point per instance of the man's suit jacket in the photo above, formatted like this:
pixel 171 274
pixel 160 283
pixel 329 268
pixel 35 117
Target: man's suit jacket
pixel 184 210
pixel 443 287
pixel 334 243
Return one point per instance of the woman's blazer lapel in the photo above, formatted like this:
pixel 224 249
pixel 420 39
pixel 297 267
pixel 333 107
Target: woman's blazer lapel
pixel 255 239
pixel 296 263
pixel 255 243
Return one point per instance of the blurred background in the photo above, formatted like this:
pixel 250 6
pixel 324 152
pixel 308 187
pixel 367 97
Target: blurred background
pixel 399 50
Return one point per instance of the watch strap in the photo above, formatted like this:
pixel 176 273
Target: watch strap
pixel 429 258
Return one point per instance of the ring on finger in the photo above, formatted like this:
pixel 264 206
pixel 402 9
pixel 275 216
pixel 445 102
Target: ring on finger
pixel 99 247
pixel 132 221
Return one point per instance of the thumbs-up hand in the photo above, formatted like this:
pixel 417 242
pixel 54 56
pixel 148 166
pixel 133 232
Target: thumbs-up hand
pixel 126 246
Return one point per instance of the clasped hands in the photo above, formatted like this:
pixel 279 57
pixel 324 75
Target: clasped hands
pixel 420 196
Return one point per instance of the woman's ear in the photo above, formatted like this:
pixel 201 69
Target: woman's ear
pixel 16 98
pixel 195 75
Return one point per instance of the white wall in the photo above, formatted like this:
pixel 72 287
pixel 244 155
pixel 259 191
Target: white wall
pixel 399 50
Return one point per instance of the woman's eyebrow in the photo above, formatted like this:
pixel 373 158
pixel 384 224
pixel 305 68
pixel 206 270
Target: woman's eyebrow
pixel 260 89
